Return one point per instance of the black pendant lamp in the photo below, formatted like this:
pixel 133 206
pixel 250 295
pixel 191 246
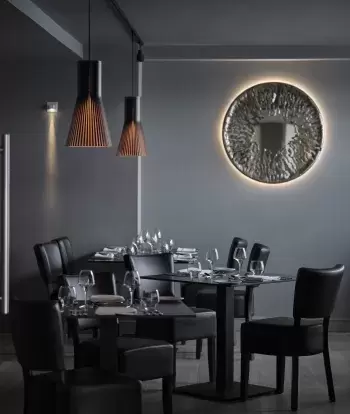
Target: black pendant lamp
pixel 89 126
pixel 132 140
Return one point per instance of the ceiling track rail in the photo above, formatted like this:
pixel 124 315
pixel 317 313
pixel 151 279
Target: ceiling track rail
pixel 121 16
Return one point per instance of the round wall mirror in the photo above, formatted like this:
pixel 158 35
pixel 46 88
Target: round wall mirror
pixel 272 132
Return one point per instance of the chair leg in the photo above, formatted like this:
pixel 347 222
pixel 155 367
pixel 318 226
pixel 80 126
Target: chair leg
pixel 26 392
pixel 199 346
pixel 245 365
pixel 174 366
pixel 212 358
pixel 167 395
pixel 280 373
pixel 329 376
pixel 295 382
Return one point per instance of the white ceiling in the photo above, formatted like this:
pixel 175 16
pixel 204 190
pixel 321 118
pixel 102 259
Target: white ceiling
pixel 211 22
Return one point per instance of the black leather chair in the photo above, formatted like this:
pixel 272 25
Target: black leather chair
pixel 304 334
pixel 50 265
pixel 49 387
pixel 182 329
pixel 66 250
pixel 142 359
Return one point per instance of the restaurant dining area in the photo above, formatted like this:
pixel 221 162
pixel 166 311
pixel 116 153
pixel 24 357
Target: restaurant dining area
pixel 174 207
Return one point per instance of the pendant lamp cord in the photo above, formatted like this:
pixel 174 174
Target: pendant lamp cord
pixel 132 64
pixel 89 30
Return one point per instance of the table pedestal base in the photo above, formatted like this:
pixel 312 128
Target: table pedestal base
pixel 207 391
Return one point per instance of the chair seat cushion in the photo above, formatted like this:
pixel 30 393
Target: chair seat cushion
pixel 206 298
pixel 85 390
pixel 138 358
pixel 279 336
pixel 202 326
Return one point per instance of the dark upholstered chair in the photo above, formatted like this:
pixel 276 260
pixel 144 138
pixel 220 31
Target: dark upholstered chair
pixel 304 334
pixel 38 339
pixel 50 265
pixel 66 250
pixel 183 329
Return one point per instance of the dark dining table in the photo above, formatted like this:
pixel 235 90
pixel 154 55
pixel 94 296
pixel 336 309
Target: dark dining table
pixel 109 328
pixel 224 389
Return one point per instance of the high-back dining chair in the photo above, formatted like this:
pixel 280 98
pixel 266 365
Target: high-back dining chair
pixel 183 329
pixel 236 242
pixel 49 387
pixel 314 298
pixel 153 264
pixel 67 256
pixel 50 265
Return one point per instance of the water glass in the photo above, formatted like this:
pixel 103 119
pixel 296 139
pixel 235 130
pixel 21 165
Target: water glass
pixel 239 255
pixel 150 300
pixel 86 279
pixel 194 268
pixel 257 267
pixel 165 247
pixel 67 297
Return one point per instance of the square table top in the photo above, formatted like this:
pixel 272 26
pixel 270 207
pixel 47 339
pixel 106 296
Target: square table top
pixel 175 277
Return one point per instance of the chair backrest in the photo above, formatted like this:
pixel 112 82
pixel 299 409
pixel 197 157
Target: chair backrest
pixel 66 250
pixel 50 265
pixel 37 334
pixel 316 291
pixel 105 284
pixel 259 252
pixel 236 242
pixel 152 264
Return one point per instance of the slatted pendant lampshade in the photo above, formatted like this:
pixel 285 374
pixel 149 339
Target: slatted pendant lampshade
pixel 132 140
pixel 89 126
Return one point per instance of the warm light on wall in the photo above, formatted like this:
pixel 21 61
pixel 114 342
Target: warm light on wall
pixel 251 83
pixel 51 160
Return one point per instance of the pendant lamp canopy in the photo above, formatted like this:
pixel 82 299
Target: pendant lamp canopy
pixel 89 126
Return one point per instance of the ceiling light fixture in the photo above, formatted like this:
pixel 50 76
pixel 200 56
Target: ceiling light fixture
pixel 89 126
pixel 132 140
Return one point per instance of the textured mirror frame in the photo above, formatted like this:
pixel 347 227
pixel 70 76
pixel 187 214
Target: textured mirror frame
pixel 272 132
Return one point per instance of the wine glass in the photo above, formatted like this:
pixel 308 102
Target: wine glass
pixel 139 242
pixel 132 284
pixel 86 279
pixel 155 241
pixel 148 236
pixel 239 255
pixel 257 267
pixel 165 247
pixel 67 296
pixel 212 256
pixel 159 235
pixel 171 244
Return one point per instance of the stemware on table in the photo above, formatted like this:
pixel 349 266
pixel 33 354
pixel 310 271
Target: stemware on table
pixel 239 255
pixel 212 256
pixel 67 297
pixel 86 279
pixel 256 267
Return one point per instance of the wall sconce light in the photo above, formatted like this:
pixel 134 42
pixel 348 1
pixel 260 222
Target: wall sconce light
pixel 52 107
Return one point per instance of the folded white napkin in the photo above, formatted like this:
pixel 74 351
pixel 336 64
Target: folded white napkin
pixel 104 255
pixel 186 250
pixel 262 277
pixel 107 298
pixel 113 249
pixel 183 256
pixel 114 310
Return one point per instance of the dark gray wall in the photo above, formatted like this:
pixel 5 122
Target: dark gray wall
pixel 87 194
pixel 192 193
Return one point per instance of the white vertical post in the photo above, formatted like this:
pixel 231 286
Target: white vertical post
pixel 5 248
